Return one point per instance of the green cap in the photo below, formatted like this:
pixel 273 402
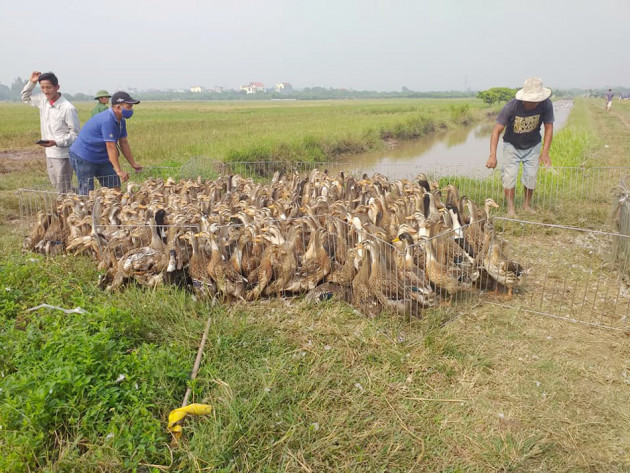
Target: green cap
pixel 101 93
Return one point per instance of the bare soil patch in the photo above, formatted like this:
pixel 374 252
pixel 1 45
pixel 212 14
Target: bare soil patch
pixel 22 159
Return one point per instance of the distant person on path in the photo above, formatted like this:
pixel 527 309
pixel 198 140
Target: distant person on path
pixel 103 99
pixel 59 124
pixel 521 118
pixel 95 152
pixel 609 98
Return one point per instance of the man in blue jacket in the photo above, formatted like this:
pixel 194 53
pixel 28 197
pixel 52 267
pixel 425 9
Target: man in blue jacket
pixel 521 118
pixel 95 152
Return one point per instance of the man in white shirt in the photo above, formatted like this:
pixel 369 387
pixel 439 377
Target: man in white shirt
pixel 59 122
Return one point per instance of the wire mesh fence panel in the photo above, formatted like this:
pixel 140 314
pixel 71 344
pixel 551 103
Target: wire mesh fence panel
pixel 397 247
pixel 38 213
pixel 558 188
pixel 570 273
pixel 135 177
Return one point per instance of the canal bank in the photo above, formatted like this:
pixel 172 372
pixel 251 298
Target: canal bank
pixel 463 151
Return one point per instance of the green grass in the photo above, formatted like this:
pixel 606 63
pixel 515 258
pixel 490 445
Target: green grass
pixel 173 132
pixel 295 387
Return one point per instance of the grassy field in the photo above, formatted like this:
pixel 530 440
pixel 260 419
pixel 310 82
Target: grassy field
pixel 296 387
pixel 172 132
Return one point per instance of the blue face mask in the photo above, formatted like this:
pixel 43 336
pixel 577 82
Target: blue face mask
pixel 126 113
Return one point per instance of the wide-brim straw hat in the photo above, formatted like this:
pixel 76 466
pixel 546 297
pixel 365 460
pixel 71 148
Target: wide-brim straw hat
pixel 533 91
pixel 102 93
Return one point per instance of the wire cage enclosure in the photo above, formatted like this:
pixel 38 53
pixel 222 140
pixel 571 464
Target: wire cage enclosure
pixel 573 273
pixel 288 229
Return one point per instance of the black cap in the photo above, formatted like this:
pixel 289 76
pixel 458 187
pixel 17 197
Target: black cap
pixel 123 97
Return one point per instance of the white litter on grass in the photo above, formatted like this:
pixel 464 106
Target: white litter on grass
pixel 76 310
pixel 359 387
pixel 120 379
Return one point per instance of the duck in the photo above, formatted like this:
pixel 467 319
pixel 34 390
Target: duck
pixel 473 232
pixel 447 277
pixel 362 295
pixel 284 263
pixel 315 265
pixel 446 247
pixel 202 283
pixel 412 276
pixel 506 272
pixel 42 222
pixel 329 291
pixel 229 282
pixel 277 264
pixel 144 264
pixel 488 204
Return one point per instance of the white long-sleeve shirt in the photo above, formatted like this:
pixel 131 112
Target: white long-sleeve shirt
pixel 59 121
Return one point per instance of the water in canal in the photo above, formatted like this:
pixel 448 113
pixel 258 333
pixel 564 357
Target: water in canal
pixel 463 151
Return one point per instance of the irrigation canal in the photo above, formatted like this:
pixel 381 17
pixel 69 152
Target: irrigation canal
pixel 461 151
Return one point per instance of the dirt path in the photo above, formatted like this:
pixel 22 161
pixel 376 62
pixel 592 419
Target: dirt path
pixel 622 119
pixel 22 159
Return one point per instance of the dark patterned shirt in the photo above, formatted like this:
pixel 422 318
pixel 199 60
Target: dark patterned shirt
pixel 522 127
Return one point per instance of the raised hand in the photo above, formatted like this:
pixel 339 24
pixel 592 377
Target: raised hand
pixel 35 76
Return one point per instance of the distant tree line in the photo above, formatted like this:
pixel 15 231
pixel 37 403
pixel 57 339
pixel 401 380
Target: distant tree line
pixel 308 93
pixel 493 95
pixel 504 94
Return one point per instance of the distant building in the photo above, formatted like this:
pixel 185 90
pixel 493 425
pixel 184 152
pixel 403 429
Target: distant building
pixel 284 87
pixel 218 89
pixel 196 89
pixel 253 87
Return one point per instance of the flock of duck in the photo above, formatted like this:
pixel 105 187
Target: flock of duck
pixel 401 245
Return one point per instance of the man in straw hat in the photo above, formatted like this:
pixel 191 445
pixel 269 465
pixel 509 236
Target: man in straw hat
pixel 103 98
pixel 521 118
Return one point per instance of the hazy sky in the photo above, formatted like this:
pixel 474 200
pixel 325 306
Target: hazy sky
pixel 364 45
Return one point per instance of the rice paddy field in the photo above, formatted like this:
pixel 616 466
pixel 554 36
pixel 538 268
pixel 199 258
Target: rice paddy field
pixel 295 386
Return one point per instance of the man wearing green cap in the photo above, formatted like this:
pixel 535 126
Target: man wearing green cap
pixel 103 98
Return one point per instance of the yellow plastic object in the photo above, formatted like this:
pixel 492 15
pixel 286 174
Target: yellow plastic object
pixel 177 415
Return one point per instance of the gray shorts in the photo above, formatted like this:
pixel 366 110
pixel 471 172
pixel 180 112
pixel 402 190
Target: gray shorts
pixel 59 173
pixel 512 157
